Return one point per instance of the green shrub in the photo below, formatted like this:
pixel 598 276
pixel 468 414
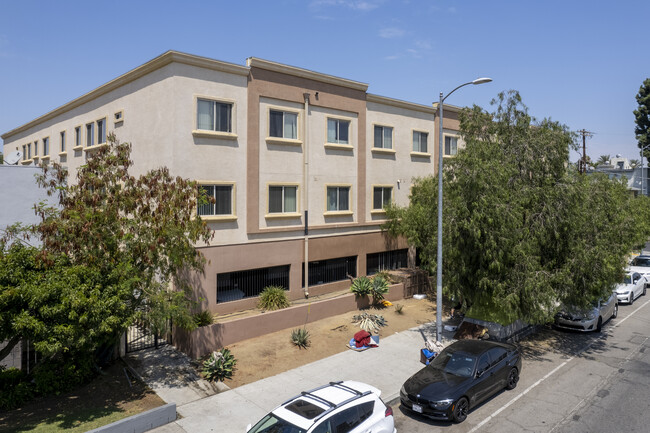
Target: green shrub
pixel 63 373
pixel 300 337
pixel 379 289
pixel 385 275
pixel 361 286
pixel 203 318
pixel 273 298
pixel 369 322
pixel 16 388
pixel 219 366
pixel 399 308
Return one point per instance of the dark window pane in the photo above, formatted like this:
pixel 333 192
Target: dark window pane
pixel 343 132
pixel 275 199
pixel 206 208
pixel 379 133
pixel 344 198
pixel 275 126
pixel 224 121
pixel 223 196
pixel 377 197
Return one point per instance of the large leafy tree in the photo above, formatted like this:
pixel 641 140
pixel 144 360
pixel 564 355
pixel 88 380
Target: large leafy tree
pixel 642 117
pixel 522 229
pixel 116 249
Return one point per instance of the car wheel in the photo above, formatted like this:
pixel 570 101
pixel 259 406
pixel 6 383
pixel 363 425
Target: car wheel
pixel 599 326
pixel 615 313
pixel 513 378
pixel 460 410
pixel 643 293
pixel 631 298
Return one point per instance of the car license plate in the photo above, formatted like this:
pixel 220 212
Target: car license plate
pixel 417 408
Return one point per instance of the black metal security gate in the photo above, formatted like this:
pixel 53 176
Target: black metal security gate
pixel 139 337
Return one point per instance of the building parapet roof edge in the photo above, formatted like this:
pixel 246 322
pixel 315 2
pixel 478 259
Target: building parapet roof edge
pixel 400 103
pixel 254 62
pixel 140 71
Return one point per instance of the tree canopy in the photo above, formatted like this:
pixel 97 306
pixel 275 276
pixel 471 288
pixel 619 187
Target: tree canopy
pixel 642 117
pixel 522 230
pixel 116 249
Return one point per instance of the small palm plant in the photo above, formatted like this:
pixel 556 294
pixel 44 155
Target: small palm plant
pixel 219 366
pixel 273 298
pixel 300 337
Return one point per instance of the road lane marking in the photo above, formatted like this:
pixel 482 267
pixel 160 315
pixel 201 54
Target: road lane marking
pixel 502 408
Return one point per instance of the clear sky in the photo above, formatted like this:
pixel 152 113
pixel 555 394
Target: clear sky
pixel 580 62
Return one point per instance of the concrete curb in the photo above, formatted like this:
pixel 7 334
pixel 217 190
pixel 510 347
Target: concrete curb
pixel 141 422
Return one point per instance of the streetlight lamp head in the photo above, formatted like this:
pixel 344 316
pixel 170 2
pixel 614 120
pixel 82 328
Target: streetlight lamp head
pixel 482 80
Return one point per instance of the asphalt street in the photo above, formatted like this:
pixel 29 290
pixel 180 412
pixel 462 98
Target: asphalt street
pixel 580 383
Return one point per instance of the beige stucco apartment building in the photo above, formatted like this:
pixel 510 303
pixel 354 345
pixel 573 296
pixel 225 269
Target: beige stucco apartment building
pixel 275 145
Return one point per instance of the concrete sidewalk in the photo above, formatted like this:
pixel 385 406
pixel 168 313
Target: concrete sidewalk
pixel 385 367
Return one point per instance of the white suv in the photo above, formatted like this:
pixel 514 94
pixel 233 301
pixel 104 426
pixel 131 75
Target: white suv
pixel 338 407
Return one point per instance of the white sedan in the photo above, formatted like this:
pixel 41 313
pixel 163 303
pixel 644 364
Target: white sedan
pixel 633 286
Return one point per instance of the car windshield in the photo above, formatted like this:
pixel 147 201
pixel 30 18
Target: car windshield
pixel 641 261
pixel 272 424
pixel 454 362
pixel 627 279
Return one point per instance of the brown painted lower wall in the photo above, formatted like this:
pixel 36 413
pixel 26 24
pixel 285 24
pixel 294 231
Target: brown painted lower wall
pixel 206 339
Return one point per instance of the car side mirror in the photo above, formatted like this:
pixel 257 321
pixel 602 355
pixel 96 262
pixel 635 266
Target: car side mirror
pixel 479 373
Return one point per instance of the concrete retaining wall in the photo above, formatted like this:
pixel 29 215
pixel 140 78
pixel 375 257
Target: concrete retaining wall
pixel 206 339
pixel 141 422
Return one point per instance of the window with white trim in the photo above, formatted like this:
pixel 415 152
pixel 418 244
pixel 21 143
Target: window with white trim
pixel 101 131
pixel 90 134
pixel 338 131
pixel 381 197
pixel 451 145
pixel 283 199
pixel 46 146
pixel 420 141
pixel 338 198
pixel 383 137
pixel 216 201
pixel 29 151
pixel 77 136
pixel 213 115
pixel 283 124
pixel 62 142
pixel 25 152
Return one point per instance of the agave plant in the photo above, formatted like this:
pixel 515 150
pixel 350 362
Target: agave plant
pixel 361 286
pixel 203 318
pixel 300 337
pixel 379 289
pixel 273 298
pixel 219 366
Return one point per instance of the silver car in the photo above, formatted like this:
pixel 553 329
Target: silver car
pixel 588 319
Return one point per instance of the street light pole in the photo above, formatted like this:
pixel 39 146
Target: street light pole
pixel 439 255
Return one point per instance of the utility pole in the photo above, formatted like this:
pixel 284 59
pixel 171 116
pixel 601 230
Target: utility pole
pixel 582 166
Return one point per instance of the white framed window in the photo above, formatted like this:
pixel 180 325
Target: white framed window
pixel 214 115
pixel 25 157
pixel 420 141
pixel 381 197
pixel 283 199
pixel 36 149
pixel 77 137
pixel 90 134
pixel 338 131
pixel 118 116
pixel 451 145
pixel 220 199
pixel 46 146
pixel 101 131
pixel 29 151
pixel 338 198
pixel 283 124
pixel 383 137
pixel 62 142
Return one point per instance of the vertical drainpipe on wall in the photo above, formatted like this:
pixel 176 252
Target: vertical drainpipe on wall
pixel 305 194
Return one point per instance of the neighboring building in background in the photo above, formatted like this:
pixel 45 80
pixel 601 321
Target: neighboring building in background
pixel 274 145
pixel 619 168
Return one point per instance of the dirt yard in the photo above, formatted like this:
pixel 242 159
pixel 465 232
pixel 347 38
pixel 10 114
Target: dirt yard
pixel 274 353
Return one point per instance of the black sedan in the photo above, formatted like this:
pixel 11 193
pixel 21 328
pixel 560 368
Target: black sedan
pixel 463 375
